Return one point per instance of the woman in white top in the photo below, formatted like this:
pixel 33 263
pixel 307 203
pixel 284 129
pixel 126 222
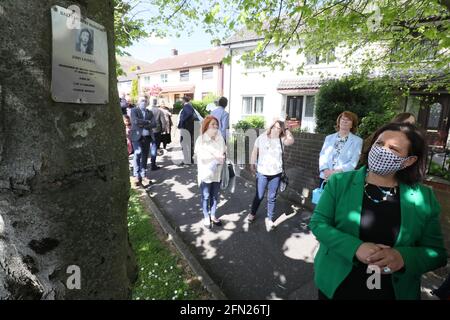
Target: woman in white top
pixel 210 152
pixel 267 154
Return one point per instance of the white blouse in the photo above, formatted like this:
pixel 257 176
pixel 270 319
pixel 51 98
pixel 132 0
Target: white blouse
pixel 206 152
pixel 270 160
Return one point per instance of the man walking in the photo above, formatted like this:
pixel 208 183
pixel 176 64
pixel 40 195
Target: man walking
pixel 160 121
pixel 142 123
pixel 187 123
pixel 223 117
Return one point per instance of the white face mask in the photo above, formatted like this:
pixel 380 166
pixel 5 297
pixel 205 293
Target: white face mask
pixel 213 131
pixel 384 162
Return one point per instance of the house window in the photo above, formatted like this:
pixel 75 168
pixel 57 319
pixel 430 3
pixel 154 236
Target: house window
pixel 252 105
pixel 164 77
pixel 309 108
pixel 147 79
pixel 435 116
pixel 247 105
pixel 184 75
pixel 312 59
pixel 207 73
pixel 259 105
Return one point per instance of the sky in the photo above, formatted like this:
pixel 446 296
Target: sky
pixel 152 49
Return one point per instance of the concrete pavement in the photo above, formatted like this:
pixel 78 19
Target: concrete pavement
pixel 244 260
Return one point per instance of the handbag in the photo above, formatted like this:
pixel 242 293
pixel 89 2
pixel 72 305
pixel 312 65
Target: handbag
pixel 231 172
pixel 228 175
pixel 225 176
pixel 284 178
pixel 317 192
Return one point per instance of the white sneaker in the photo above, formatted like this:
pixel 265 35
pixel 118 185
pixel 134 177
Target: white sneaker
pixel 269 225
pixel 207 223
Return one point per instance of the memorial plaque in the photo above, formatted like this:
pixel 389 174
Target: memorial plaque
pixel 79 59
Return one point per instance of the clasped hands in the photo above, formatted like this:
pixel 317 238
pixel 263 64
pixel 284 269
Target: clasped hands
pixel 380 255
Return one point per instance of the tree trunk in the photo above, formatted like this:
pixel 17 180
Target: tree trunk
pixel 64 180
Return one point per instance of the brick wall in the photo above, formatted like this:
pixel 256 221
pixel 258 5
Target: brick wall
pixel 302 167
pixel 442 192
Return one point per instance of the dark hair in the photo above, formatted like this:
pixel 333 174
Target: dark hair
pixel 283 128
pixel 417 147
pixel 223 102
pixel 401 117
pixel 85 30
pixel 186 99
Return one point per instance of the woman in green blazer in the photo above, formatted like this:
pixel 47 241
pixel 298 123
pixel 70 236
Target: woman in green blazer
pixel 378 227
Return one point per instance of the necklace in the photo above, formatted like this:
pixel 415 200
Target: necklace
pixel 386 193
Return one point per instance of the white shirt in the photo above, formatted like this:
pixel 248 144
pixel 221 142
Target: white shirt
pixel 206 150
pixel 270 155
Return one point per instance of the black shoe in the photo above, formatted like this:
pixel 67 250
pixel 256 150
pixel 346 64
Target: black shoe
pixel 154 168
pixel 217 222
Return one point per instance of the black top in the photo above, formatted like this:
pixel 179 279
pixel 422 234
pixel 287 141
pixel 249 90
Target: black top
pixel 380 224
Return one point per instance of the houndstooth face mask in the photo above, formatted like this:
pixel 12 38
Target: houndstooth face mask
pixel 384 162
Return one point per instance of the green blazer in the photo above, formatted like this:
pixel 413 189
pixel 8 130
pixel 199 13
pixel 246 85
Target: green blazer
pixel 336 221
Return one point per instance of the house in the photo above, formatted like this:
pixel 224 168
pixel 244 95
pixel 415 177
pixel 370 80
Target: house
pixel 279 94
pixel 287 95
pixel 195 74
pixel 130 66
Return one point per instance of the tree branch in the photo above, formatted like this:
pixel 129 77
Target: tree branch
pixel 177 10
pixel 276 26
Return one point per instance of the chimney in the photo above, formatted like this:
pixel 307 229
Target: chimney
pixel 174 52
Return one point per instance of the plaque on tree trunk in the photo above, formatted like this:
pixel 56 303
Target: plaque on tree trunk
pixel 79 58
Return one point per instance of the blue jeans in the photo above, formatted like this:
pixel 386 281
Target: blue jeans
pixel 154 147
pixel 141 150
pixel 272 183
pixel 209 196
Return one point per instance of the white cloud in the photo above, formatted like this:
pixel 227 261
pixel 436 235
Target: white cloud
pixel 158 41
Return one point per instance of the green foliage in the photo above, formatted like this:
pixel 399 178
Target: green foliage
pixel 210 98
pixel 357 94
pixel 414 33
pixel 161 276
pixel 250 122
pixel 372 121
pixel 134 90
pixel 126 29
pixel 436 170
pixel 177 107
pixel 299 130
pixel 200 106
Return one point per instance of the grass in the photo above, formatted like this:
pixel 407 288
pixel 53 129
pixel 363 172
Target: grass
pixel 163 275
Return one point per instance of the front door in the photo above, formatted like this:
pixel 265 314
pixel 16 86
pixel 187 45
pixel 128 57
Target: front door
pixel 294 108
pixel 434 118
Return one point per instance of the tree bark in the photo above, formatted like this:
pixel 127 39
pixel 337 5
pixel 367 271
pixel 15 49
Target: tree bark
pixel 64 179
